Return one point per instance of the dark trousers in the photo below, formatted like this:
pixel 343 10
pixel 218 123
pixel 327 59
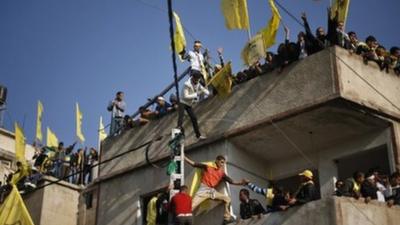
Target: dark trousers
pixel 183 220
pixel 192 116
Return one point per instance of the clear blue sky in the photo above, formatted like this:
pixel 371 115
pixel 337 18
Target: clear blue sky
pixel 62 52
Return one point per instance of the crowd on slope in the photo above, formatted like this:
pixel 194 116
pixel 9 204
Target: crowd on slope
pixel 75 167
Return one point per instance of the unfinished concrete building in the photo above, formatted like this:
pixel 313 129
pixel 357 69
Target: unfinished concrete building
pixel 331 114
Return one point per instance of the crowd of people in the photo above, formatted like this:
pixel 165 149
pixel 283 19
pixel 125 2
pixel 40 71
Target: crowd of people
pixel 372 187
pixel 75 167
pixel 307 43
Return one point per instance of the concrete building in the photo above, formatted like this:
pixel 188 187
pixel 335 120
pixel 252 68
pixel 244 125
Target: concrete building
pixel 334 115
pixel 7 153
pixel 54 204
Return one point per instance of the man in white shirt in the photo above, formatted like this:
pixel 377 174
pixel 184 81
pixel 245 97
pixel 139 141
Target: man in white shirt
pixel 117 108
pixel 191 92
pixel 196 59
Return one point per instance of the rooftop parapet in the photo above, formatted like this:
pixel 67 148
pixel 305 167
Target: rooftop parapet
pixel 304 85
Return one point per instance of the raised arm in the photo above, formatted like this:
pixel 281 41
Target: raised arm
pixel 194 164
pixel 256 189
pixel 309 34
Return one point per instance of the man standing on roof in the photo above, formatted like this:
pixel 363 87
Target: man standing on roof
pixel 117 108
pixel 196 59
pixel 212 176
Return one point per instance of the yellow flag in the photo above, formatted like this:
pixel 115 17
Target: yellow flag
pixel 342 8
pixel 102 132
pixel 222 81
pixel 20 155
pixel 52 140
pixel 254 50
pixel 179 36
pixel 19 143
pixel 14 211
pixel 79 117
pixel 235 13
pixel 39 135
pixel 152 211
pixel 269 32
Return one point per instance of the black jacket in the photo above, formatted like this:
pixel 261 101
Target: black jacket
pixel 251 208
pixel 306 193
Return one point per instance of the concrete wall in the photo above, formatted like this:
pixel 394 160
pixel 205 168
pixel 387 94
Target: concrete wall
pixel 323 159
pixel 86 214
pixel 331 211
pixel 54 204
pixel 367 84
pixel 300 85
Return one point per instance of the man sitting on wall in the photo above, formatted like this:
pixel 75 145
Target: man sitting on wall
pixel 212 176
pixel 249 207
pixel 352 186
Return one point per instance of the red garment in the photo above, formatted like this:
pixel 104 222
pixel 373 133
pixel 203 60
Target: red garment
pixel 182 203
pixel 212 176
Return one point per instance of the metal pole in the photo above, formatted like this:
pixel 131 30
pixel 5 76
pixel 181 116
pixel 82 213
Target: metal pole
pixel 171 34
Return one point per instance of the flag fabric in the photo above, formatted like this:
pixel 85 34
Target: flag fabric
pixel 342 8
pixel 79 118
pixel 269 32
pixel 254 50
pixel 20 155
pixel 102 132
pixel 179 36
pixel 14 211
pixel 52 140
pixel 39 135
pixel 235 13
pixel 222 81
pixel 19 143
pixel 152 211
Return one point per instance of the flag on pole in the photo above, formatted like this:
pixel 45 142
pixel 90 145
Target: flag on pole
pixel 102 132
pixel 253 50
pixel 23 170
pixel 222 81
pixel 52 140
pixel 235 13
pixel 269 32
pixel 342 8
pixel 79 117
pixel 179 36
pixel 13 210
pixel 19 143
pixel 39 135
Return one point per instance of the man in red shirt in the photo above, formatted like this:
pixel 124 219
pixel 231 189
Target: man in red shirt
pixel 181 205
pixel 212 177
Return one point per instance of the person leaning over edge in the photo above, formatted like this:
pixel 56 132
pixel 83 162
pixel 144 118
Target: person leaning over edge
pixel 306 191
pixel 212 177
